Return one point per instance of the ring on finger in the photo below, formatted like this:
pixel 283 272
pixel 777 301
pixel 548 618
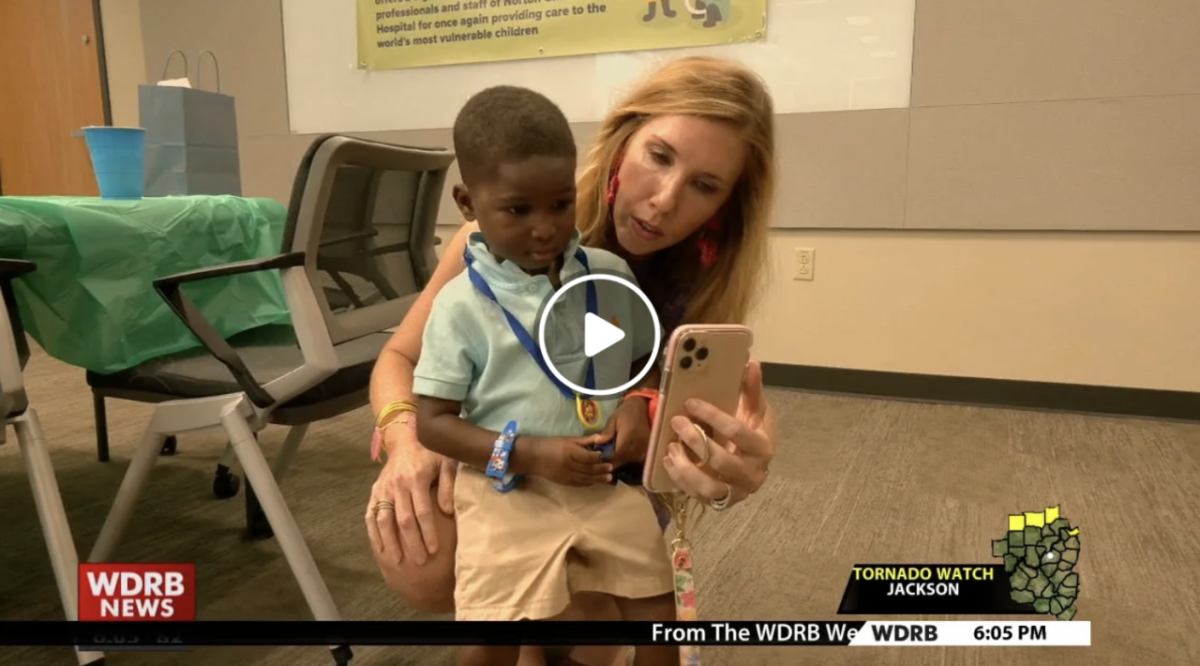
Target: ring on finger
pixel 382 505
pixel 723 503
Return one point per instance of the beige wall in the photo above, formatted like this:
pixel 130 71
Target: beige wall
pixel 125 59
pixel 1101 104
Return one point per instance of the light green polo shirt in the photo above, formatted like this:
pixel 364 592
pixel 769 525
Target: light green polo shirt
pixel 470 354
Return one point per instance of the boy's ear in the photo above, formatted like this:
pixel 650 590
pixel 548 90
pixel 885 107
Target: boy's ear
pixel 462 199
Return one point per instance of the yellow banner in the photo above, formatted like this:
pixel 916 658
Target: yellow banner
pixel 398 34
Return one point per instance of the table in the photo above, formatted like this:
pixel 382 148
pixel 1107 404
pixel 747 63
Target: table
pixel 91 302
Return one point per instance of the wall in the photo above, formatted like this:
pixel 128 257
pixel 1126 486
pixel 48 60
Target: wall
pixel 995 78
pixel 125 59
pixel 1102 309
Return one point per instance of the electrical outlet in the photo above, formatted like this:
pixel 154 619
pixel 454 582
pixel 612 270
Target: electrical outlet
pixel 805 263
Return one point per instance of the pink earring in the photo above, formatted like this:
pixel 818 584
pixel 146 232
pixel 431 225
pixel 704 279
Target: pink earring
pixel 614 182
pixel 708 243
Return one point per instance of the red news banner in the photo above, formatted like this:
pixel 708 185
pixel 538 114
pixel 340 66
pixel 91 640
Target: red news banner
pixel 112 592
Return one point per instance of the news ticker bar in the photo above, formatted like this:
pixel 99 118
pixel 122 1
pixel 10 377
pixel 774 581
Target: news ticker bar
pixel 175 635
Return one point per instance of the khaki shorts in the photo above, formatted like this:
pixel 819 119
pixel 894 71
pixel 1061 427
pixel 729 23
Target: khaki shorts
pixel 522 554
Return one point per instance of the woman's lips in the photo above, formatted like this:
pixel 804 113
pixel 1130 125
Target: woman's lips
pixel 644 230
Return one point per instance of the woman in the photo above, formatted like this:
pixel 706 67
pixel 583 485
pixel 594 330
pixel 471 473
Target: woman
pixel 679 183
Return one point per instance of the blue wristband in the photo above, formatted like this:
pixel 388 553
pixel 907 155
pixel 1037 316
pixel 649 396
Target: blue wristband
pixel 497 468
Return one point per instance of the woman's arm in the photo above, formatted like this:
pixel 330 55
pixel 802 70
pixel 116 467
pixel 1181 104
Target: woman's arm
pixel 392 378
pixel 406 481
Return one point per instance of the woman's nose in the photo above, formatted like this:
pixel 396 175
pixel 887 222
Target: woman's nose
pixel 667 196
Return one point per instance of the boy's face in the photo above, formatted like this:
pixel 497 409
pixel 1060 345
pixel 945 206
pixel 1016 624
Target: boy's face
pixel 526 210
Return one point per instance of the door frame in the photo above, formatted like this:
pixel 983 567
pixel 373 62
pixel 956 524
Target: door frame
pixel 102 61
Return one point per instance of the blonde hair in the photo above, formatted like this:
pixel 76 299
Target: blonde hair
pixel 718 90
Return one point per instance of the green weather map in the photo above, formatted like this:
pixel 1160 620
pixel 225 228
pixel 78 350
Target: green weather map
pixel 1040 553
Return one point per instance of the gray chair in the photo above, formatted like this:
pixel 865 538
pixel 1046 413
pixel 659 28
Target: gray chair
pixel 358 249
pixel 14 405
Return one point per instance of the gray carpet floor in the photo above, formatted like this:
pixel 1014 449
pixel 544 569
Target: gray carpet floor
pixel 855 481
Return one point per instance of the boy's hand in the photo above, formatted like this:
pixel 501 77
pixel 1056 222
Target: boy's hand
pixel 566 461
pixel 630 427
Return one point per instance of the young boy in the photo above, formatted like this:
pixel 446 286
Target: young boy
pixel 537 517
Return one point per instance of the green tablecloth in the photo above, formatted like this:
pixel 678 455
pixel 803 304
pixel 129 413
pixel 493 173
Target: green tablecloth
pixel 91 302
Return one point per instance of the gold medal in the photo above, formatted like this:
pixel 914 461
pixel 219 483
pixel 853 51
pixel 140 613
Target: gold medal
pixel 588 411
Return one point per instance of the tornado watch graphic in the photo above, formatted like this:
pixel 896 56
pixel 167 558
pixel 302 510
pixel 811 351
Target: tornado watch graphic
pixel 1040 553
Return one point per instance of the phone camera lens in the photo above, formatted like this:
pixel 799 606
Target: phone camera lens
pixel 702 354
pixel 689 345
pixel 686 362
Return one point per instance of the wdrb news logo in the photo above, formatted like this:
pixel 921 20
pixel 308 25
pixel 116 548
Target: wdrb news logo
pixel 137 592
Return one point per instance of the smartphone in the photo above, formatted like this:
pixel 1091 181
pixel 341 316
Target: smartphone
pixel 707 362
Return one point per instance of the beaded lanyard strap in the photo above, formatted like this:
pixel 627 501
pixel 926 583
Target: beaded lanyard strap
pixel 681 559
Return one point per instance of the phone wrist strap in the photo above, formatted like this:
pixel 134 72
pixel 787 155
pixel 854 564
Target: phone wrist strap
pixel 685 581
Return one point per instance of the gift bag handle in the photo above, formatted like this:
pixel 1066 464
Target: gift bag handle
pixel 216 68
pixel 167 64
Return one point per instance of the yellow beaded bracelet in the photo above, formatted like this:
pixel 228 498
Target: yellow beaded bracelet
pixel 393 408
pixel 381 424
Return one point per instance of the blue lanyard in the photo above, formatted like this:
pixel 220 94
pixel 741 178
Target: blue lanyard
pixel 523 336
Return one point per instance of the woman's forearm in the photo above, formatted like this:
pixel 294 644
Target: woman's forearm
pixel 392 377
pixel 391 380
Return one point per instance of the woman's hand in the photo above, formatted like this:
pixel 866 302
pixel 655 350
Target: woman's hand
pixel 630 428
pixel 400 518
pixel 742 447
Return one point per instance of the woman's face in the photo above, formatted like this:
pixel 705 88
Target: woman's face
pixel 676 174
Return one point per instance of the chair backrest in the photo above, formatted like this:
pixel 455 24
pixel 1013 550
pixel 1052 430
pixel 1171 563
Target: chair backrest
pixel 14 348
pixel 364 213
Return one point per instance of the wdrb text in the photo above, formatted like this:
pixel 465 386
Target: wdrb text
pixel 137 592
pixel 755 633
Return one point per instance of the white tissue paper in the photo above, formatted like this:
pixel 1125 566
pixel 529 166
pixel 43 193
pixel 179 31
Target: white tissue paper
pixel 176 83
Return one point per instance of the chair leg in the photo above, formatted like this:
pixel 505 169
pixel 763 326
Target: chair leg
pixel 257 524
pixel 258 475
pixel 258 527
pixel 127 496
pixel 226 483
pixel 228 457
pixel 53 517
pixel 291 444
pixel 101 418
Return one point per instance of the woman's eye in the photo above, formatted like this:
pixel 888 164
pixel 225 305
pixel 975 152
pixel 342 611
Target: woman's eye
pixel 660 158
pixel 705 187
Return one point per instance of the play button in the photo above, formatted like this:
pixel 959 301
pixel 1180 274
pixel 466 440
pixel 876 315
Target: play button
pixel 593 346
pixel 599 335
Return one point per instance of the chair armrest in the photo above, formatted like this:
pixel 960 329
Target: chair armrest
pixel 289 260
pixel 170 289
pixel 10 268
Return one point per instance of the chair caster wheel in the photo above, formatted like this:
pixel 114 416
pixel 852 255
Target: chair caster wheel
pixel 257 525
pixel 168 447
pixel 342 655
pixel 226 484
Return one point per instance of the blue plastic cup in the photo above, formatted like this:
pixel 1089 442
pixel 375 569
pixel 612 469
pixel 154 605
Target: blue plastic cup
pixel 118 160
